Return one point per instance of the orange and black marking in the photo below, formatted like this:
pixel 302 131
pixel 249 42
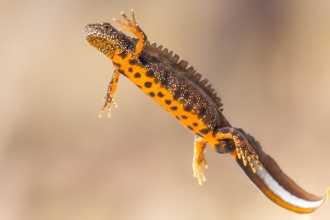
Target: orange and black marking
pixel 178 89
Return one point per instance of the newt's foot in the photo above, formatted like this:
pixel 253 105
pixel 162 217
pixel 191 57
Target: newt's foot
pixel 130 24
pixel 243 148
pixel 198 162
pixel 108 102
pixel 245 151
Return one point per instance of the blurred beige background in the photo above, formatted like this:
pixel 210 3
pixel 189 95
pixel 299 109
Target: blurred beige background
pixel 268 60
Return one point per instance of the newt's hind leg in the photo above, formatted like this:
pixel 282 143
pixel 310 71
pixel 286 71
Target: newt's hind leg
pixel 199 159
pixel 243 148
pixel 110 93
pixel 133 27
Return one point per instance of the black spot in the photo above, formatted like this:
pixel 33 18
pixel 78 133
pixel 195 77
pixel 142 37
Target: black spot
pixel 130 69
pixel 139 86
pixel 174 108
pixel 186 95
pixel 150 73
pixel 168 101
pixel 177 118
pixel 122 72
pixel 160 94
pixel 190 128
pixel 165 78
pixel 144 60
pixel 204 131
pixel 184 116
pixel 188 108
pixel 137 75
pixel 225 130
pixel 202 111
pixel 148 84
pixel 116 64
pixel 123 55
pixel 152 94
pixel 195 124
pixel 132 62
pixel 177 94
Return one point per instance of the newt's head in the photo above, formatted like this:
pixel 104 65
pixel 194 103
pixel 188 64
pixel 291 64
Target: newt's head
pixel 103 37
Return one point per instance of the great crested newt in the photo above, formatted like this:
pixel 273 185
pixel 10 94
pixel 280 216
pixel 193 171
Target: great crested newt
pixel 181 92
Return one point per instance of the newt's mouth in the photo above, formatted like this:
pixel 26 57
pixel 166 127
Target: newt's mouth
pixel 93 30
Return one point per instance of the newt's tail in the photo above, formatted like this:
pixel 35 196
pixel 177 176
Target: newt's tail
pixel 277 186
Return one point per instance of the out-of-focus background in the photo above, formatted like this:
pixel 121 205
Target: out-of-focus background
pixel 268 60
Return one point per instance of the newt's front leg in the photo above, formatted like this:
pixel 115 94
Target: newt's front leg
pixel 110 93
pixel 132 26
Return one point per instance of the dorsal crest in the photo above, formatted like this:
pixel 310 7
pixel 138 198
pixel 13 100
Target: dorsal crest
pixel 181 66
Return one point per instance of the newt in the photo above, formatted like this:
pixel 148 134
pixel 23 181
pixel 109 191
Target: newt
pixel 181 92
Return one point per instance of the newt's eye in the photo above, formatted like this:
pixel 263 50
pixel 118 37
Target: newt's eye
pixel 106 26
